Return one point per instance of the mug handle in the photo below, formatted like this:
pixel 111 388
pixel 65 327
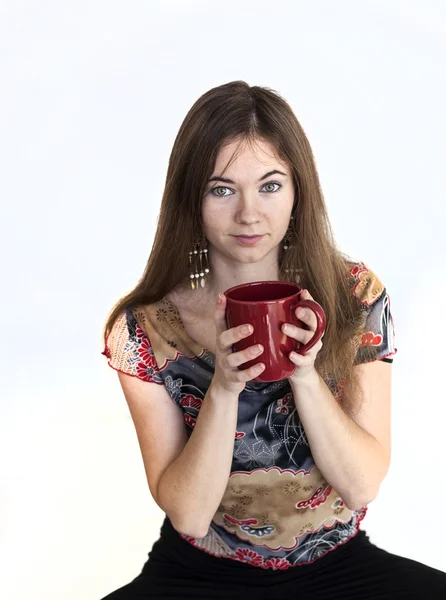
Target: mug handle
pixel 320 327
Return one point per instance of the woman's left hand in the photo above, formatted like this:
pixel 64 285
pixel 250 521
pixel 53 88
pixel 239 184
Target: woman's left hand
pixel 304 362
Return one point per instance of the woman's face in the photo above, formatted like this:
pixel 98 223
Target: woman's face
pixel 250 204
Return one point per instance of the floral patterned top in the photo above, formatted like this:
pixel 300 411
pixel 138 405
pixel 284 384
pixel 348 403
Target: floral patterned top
pixel 277 510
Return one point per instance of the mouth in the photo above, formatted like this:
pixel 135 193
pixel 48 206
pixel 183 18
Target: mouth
pixel 248 240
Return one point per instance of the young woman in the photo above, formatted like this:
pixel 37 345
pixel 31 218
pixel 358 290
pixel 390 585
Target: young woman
pixel 264 485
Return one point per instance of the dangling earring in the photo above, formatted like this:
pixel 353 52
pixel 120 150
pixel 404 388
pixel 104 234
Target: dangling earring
pixel 199 267
pixel 290 271
pixel 287 238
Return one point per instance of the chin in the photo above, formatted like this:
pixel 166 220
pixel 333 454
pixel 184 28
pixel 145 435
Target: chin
pixel 240 254
pixel 251 258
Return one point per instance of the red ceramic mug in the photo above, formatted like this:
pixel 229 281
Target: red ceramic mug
pixel 267 305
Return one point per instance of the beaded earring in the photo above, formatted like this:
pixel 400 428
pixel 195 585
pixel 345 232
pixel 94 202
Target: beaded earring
pixel 287 243
pixel 198 264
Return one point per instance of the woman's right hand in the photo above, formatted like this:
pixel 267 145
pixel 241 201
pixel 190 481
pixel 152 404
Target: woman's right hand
pixel 228 376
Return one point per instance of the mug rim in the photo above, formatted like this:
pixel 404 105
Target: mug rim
pixel 269 282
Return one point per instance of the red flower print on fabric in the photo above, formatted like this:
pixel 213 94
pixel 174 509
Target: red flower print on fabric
pixel 147 366
pixel 319 497
pixel 145 351
pixel 190 401
pixel 190 420
pixel 367 286
pixel 360 268
pixel 283 405
pixel 277 564
pixel 249 556
pixel 240 521
pixel 239 435
pixel 144 371
pixel 371 339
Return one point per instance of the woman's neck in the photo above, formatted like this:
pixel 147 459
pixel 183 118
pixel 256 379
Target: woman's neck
pixel 226 274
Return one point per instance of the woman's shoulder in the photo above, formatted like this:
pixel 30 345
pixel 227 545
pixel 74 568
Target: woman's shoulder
pixel 128 348
pixel 378 331
pixel 123 328
pixel 365 284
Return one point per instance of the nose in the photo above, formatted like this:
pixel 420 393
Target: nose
pixel 248 210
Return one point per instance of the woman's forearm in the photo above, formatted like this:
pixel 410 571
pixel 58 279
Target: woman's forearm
pixel 351 460
pixel 191 488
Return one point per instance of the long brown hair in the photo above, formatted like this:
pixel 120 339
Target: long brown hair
pixel 237 111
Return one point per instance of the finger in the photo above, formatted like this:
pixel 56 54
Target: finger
pixel 301 360
pixel 307 316
pixel 221 326
pixel 228 337
pixel 311 354
pixel 220 314
pixel 248 374
pixel 297 333
pixel 236 359
pixel 315 349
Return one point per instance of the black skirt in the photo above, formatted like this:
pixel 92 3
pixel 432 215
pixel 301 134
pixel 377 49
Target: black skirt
pixel 355 570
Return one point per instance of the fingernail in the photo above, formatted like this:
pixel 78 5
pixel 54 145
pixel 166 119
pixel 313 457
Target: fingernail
pixel 285 328
pixel 303 312
pixel 220 299
pixel 246 329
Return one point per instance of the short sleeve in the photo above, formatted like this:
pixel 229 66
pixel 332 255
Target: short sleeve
pixel 128 349
pixel 378 336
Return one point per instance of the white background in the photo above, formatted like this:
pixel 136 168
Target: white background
pixel 92 96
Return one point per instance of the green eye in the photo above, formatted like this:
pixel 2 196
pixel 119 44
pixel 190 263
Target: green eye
pixel 273 183
pixel 220 187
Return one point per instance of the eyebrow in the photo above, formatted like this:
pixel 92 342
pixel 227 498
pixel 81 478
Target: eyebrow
pixel 226 180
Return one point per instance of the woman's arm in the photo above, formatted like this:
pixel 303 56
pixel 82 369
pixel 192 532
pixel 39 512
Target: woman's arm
pixel 187 477
pixel 192 487
pixel 351 451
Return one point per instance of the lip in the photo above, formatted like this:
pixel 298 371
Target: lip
pixel 248 240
